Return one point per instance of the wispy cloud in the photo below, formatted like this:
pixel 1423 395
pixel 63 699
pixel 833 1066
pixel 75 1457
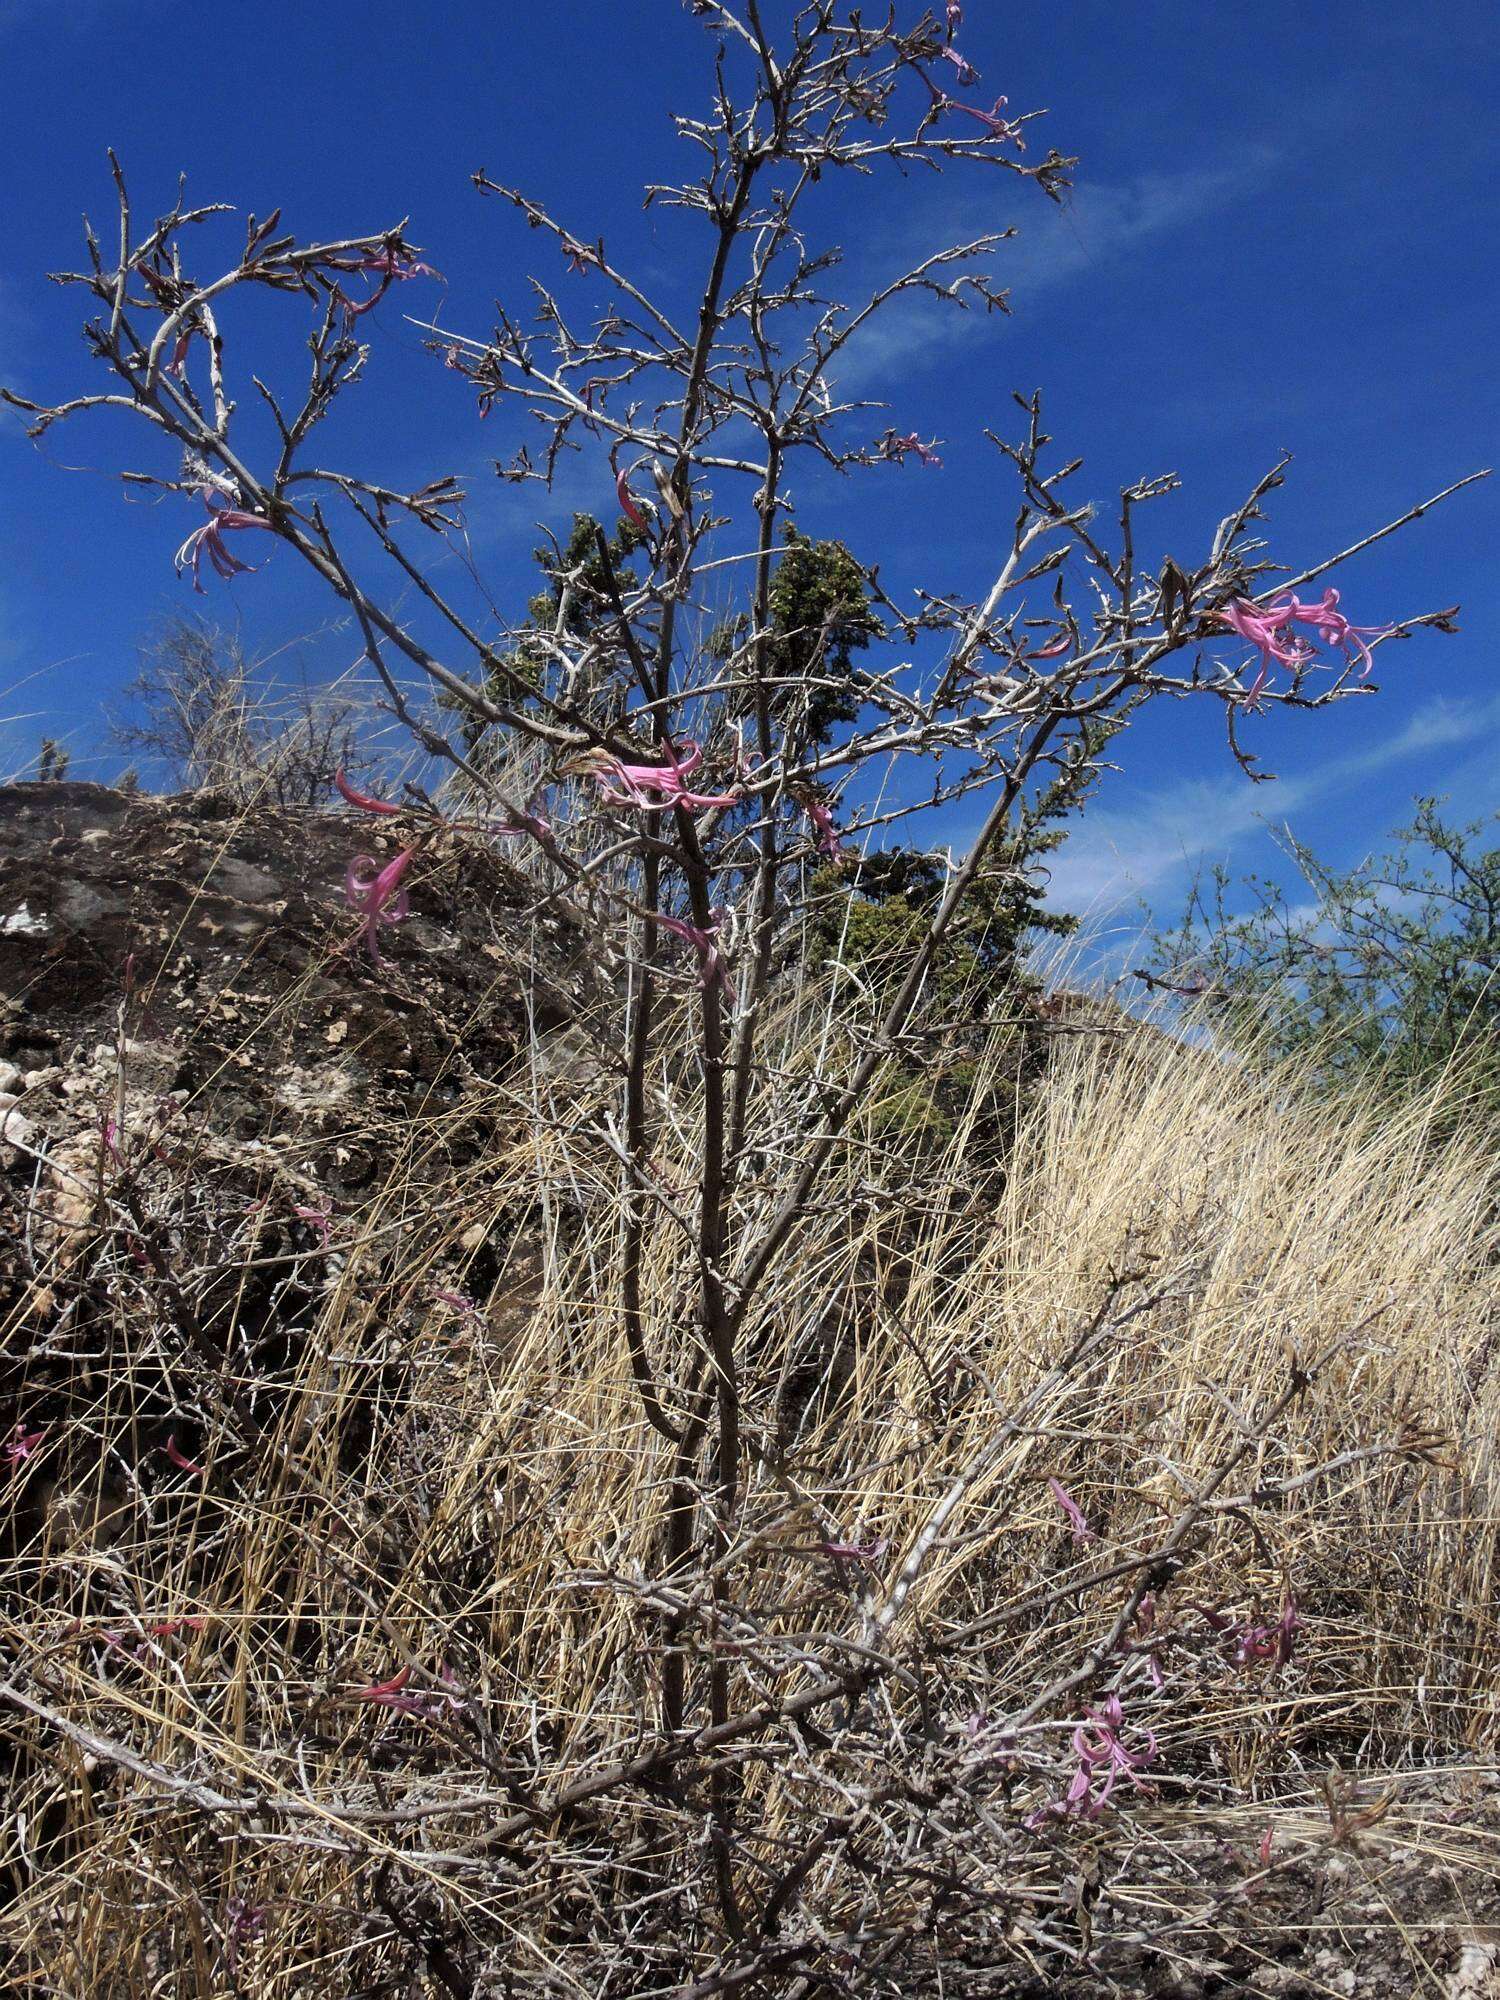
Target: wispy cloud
pixel 1139 850
pixel 1097 226
pixel 1103 223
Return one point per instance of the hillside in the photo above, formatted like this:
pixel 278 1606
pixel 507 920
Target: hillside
pixel 336 1527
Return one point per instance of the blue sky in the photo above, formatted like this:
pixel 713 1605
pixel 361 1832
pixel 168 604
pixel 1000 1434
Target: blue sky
pixel 1283 234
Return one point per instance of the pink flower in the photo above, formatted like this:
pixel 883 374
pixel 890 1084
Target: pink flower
pixel 1332 627
pixel 317 1218
pixel 392 1694
pixel 655 787
pixel 712 970
pixel 166 1628
pixel 1268 628
pixel 243 1923
pixel 955 16
pixel 966 70
pixel 1269 1642
pixel 1053 650
pixel 827 832
pixel 361 799
pixel 222 520
pixel 392 265
pixel 1082 1532
pixel 459 1301
pixel 1264 1850
pixel 862 1552
pixel 23 1443
pixel 384 1692
pixel 1269 633
pixel 997 126
pixel 1102 1758
pixel 628 504
pixel 180 1458
pixel 377 892
pixel 898 448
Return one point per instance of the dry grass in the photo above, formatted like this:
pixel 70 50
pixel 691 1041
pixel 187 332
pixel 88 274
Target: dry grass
pixel 217 1810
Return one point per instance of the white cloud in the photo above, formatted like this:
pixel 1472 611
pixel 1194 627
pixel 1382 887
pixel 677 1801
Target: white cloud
pixel 1095 226
pixel 1121 853
pixel 1100 223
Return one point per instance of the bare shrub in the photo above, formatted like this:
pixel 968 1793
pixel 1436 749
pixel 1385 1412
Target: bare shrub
pixel 808 1569
pixel 205 718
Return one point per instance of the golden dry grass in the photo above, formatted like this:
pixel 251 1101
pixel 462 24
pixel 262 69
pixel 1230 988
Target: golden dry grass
pixel 217 1810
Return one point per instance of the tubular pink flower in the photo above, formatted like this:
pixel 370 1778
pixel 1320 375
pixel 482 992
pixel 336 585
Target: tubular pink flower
pixel 1102 1758
pixel 712 970
pixel 222 520
pixel 955 16
pixel 862 1552
pixel 392 1694
pixel 1082 1532
pixel 22 1443
pixel 966 70
pixel 1269 1642
pixel 317 1219
pixel 392 267
pixel 384 1691
pixel 899 448
pixel 393 263
pixel 1053 650
pixel 628 506
pixel 997 126
pixel 1268 628
pixel 244 1922
pixel 1333 628
pixel 459 1301
pixel 994 124
pixel 1269 633
pixel 827 832
pixel 655 787
pixel 166 1628
pixel 180 1459
pixel 378 894
pixel 363 800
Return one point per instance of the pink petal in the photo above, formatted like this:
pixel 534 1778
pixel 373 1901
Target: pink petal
pixel 180 1460
pixel 361 799
pixel 628 506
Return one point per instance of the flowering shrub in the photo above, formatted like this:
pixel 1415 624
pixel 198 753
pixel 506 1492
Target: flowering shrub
pixel 696 794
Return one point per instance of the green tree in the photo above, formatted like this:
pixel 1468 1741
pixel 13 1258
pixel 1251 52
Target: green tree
pixel 1395 963
pixel 821 617
pixel 52 761
pixel 871 921
pixel 576 604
